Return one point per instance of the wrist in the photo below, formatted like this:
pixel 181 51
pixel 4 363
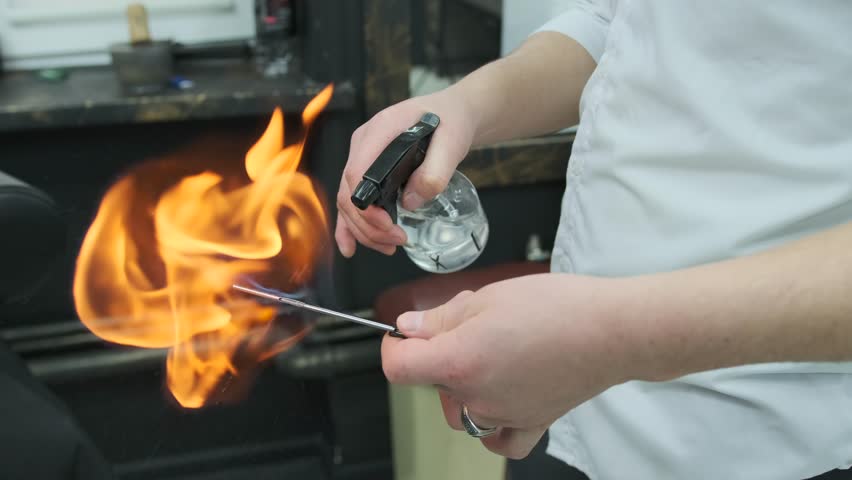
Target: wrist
pixel 638 320
pixel 606 318
pixel 684 321
pixel 479 97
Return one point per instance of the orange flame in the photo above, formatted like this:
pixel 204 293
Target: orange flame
pixel 156 267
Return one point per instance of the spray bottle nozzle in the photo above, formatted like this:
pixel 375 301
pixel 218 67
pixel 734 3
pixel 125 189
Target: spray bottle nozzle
pixel 365 194
pixel 389 173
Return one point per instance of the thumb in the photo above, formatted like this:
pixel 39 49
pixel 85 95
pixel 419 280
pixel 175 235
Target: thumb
pixel 433 175
pixel 439 319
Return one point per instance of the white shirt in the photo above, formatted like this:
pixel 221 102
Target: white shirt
pixel 709 130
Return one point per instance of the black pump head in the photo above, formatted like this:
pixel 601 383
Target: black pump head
pixel 389 173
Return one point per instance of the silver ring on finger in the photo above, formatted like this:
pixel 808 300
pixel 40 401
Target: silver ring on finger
pixel 472 428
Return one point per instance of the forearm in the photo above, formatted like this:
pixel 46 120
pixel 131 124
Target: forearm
pixel 789 304
pixel 533 91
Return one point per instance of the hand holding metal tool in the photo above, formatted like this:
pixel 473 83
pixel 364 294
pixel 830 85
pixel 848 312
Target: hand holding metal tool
pixel 392 331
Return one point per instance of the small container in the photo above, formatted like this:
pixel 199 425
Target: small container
pixel 143 68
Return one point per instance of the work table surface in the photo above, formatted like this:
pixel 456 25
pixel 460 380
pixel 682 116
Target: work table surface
pixel 93 96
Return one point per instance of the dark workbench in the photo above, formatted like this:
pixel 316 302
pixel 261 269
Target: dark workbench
pixel 92 96
pixel 520 162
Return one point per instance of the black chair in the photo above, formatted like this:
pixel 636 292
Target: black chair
pixel 40 437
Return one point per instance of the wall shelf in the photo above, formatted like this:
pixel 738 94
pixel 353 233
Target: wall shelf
pixel 92 96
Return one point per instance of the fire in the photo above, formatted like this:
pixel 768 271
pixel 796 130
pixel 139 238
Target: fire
pixel 156 266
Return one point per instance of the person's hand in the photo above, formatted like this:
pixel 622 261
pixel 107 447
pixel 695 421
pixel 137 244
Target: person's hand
pixel 519 353
pixel 449 145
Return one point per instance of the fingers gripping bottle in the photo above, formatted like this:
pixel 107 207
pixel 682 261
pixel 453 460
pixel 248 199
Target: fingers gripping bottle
pixel 448 232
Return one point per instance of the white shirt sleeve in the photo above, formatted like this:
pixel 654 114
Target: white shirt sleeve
pixel 587 22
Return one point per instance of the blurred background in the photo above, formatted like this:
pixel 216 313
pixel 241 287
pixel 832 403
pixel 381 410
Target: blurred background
pixel 92 89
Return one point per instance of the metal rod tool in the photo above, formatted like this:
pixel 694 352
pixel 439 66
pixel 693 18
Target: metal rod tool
pixel 299 304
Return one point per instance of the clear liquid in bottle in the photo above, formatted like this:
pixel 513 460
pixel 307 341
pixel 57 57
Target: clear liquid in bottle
pixel 449 232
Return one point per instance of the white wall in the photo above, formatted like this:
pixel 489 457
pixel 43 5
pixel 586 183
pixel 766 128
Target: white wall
pixel 48 33
pixel 522 17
